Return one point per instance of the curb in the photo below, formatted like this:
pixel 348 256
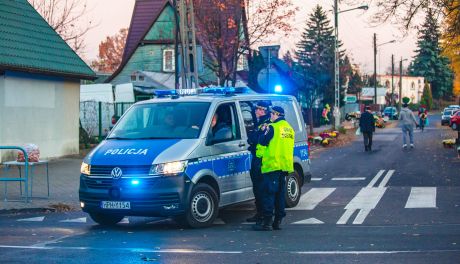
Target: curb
pixel 28 210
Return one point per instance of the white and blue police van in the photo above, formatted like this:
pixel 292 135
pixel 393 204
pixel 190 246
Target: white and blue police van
pixel 164 158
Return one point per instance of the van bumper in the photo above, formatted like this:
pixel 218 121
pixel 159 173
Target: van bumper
pixel 157 196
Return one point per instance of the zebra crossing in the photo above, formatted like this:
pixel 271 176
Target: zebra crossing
pixel 356 210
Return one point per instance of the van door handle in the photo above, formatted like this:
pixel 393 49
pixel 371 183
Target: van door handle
pixel 242 144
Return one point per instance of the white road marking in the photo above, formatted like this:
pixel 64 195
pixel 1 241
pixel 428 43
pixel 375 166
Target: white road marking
pixel 137 250
pixel 363 252
pixel 316 179
pixel 309 221
pixel 387 178
pixel 344 218
pixel 33 219
pixel 376 178
pixel 312 198
pixel 349 179
pixel 422 197
pixel 218 221
pixel 124 221
pixel 76 220
pixel 367 198
pixel 362 214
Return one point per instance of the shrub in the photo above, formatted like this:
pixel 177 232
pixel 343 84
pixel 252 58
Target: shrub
pixel 342 130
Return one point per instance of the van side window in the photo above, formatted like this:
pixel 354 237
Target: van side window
pixel 224 124
pixel 249 117
pixel 290 113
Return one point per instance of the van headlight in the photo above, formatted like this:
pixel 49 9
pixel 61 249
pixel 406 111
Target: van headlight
pixel 168 168
pixel 85 168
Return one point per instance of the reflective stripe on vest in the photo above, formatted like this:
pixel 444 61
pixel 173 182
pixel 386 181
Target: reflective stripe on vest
pixel 259 148
pixel 279 154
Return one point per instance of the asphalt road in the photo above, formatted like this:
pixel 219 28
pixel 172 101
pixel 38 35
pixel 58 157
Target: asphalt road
pixel 387 206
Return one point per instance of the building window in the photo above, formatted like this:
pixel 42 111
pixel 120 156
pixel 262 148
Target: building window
pixel 141 78
pixel 412 86
pixel 133 77
pixel 168 60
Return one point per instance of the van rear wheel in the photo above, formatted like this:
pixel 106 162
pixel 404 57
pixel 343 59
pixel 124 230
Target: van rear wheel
pixel 293 189
pixel 106 219
pixel 202 208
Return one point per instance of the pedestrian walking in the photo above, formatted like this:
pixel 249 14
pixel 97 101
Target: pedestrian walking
pixel 407 122
pixel 257 150
pixel 277 163
pixel 367 127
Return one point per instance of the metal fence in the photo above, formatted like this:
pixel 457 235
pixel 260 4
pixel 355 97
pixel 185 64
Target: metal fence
pixel 97 118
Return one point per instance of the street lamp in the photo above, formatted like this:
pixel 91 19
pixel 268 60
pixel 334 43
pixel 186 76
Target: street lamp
pixel 336 60
pixel 400 83
pixel 375 63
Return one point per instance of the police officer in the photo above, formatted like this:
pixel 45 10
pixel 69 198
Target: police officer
pixel 277 162
pixel 257 150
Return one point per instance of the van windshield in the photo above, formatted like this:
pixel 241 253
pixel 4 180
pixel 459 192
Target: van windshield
pixel 161 120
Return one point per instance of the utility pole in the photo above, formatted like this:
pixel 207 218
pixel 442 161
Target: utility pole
pixel 400 84
pixel 375 68
pixel 188 43
pixel 176 46
pixel 336 110
pixel 392 79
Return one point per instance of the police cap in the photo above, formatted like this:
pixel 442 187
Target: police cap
pixel 262 105
pixel 278 110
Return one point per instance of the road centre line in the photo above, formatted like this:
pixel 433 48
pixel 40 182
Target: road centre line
pixel 367 198
pixel 362 214
pixel 349 179
pixel 316 179
pixel 386 178
pixel 344 218
pixel 364 252
pixel 312 198
pixel 171 250
pixel 376 178
pixel 421 197
pixel 191 251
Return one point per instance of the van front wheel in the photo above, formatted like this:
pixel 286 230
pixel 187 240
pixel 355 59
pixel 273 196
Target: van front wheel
pixel 292 189
pixel 202 207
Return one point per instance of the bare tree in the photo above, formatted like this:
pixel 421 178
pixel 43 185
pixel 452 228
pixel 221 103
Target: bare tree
pixel 64 16
pixel 404 12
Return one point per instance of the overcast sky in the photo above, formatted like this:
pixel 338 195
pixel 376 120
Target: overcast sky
pixel 354 31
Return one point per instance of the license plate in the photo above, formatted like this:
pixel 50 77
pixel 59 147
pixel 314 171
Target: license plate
pixel 115 205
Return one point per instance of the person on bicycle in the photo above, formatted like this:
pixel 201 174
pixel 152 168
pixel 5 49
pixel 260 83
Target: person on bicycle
pixel 423 115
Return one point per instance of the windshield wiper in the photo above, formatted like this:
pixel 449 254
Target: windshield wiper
pixel 120 138
pixel 156 138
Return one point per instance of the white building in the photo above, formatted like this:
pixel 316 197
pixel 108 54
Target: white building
pixel 412 86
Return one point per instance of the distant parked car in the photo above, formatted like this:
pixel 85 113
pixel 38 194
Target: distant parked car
pixel 454 122
pixel 391 112
pixel 446 115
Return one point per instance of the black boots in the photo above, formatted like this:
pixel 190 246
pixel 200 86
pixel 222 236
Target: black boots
pixel 256 218
pixel 265 225
pixel 276 224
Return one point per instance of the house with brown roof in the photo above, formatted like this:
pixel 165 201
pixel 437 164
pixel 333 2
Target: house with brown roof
pixel 148 59
pixel 39 83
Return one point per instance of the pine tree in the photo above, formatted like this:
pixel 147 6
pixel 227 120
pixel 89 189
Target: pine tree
pixel 429 62
pixel 315 54
pixel 427 97
pixel 255 66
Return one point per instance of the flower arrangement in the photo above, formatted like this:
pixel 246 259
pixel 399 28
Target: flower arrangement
pixel 448 143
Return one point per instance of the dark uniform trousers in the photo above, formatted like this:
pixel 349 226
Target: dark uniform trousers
pixel 257 182
pixel 274 191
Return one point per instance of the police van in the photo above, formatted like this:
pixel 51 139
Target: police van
pixel 164 157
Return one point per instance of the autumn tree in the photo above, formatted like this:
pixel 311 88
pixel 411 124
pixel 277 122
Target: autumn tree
pixel 451 44
pixel 218 24
pixel 64 16
pixel 110 52
pixel 429 61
